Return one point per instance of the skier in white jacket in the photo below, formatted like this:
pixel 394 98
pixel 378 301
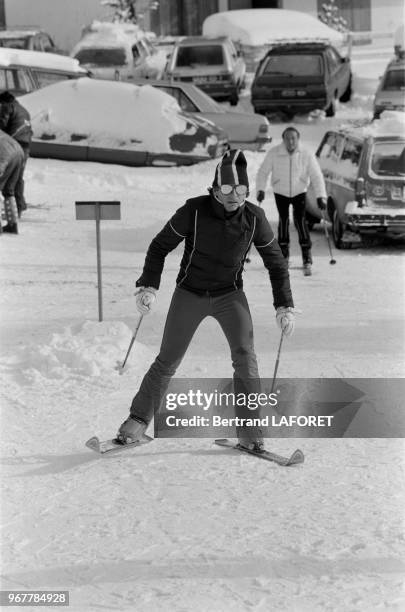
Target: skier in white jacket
pixel 292 168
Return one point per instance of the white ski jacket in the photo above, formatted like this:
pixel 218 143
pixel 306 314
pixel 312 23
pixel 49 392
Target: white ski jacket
pixel 290 173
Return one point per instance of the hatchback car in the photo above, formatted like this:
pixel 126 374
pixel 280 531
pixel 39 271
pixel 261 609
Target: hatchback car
pixel 390 93
pixel 29 39
pixel 213 64
pixel 79 121
pixel 121 52
pixel 24 71
pixel 244 130
pixel 301 77
pixel 364 171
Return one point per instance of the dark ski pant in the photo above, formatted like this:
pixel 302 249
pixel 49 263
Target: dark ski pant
pixel 185 314
pixel 298 204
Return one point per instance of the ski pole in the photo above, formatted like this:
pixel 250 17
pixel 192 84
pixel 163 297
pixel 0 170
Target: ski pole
pixel 277 362
pixel 332 261
pixel 120 368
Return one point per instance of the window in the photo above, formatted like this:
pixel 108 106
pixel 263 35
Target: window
pixel 102 57
pixel 349 161
pixel 16 81
pixel 293 65
pixel 203 55
pixel 45 78
pixel 183 101
pixel 14 43
pixel 46 43
pixel 388 158
pixel 394 80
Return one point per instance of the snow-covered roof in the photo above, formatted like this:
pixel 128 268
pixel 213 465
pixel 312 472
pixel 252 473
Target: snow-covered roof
pixel 106 113
pixel 39 59
pixel 256 27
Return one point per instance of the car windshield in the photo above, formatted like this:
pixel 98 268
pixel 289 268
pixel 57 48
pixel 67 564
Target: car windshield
pixel 294 65
pixel 14 43
pixel 202 55
pixel 388 158
pixel 102 57
pixel 394 80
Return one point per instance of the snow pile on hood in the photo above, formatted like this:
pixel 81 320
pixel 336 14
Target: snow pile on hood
pixel 90 349
pixel 107 34
pixel 105 113
pixel 257 27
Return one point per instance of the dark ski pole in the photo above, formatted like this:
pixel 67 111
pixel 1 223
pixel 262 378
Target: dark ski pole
pixel 277 362
pixel 332 261
pixel 120 367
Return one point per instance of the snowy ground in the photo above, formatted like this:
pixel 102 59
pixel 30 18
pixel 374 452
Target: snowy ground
pixel 182 525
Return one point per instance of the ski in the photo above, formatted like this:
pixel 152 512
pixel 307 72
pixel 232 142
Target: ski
pixel 113 445
pixel 296 457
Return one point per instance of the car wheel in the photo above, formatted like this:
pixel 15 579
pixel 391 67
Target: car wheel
pixel 234 99
pixel 347 94
pixel 331 109
pixel 338 229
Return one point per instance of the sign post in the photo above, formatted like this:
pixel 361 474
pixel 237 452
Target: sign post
pixel 96 211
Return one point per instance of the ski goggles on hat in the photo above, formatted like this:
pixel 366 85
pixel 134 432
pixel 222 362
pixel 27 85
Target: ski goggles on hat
pixel 240 190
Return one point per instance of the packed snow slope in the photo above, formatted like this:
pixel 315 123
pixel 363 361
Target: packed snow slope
pixel 181 525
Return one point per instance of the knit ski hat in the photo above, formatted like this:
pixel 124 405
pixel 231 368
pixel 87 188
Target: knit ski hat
pixel 231 170
pixel 6 96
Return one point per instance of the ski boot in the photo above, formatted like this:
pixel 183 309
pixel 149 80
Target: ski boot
pixel 10 208
pixel 307 269
pixel 131 430
pixel 251 441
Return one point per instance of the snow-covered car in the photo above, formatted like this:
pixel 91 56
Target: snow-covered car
pixel 301 77
pixel 390 94
pixel 22 72
pixel 120 123
pixel 212 63
pixel 28 38
pixel 364 171
pixel 118 51
pixel 244 130
pixel 256 29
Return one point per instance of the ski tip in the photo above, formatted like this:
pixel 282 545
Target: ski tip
pixel 93 443
pixel 297 457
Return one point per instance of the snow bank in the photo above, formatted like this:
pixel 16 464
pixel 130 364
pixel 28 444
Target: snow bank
pixel 38 59
pixel 89 349
pixel 391 123
pixel 257 27
pixel 105 113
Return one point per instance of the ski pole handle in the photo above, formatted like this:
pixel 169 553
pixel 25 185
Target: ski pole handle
pixel 132 340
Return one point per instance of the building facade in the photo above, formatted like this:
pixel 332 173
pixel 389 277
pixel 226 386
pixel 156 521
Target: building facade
pixel 64 19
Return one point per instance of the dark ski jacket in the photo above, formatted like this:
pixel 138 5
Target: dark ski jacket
pixel 15 120
pixel 216 248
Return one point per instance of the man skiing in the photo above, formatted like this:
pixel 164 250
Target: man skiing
pixel 218 230
pixel 292 168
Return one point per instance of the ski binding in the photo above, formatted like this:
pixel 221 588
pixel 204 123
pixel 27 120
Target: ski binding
pixel 113 445
pixel 296 457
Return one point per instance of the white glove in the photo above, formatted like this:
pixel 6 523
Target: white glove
pixel 285 318
pixel 145 296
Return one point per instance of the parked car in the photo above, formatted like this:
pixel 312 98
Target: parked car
pixel 244 130
pixel 390 93
pixel 119 123
pixel 256 29
pixel 22 72
pixel 301 77
pixel 28 38
pixel 364 170
pixel 213 64
pixel 118 51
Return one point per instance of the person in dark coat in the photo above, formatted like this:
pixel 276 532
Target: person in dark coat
pixel 15 120
pixel 218 230
pixel 11 169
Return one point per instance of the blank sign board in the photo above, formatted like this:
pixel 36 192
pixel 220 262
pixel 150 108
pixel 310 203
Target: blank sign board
pixel 90 211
